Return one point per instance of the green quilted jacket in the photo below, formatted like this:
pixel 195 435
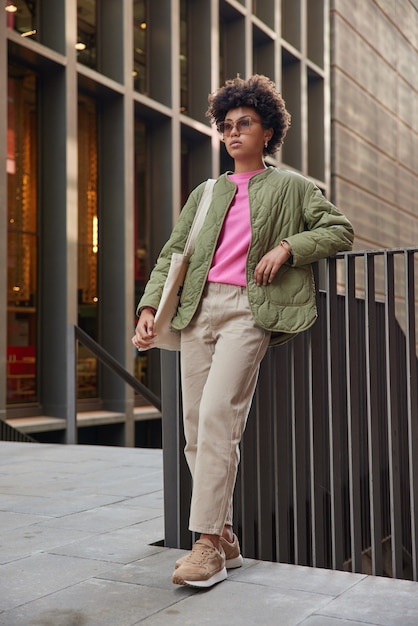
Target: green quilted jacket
pixel 283 205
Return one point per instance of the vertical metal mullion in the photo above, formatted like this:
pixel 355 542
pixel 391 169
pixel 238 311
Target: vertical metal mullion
pixel 334 418
pixel 392 402
pixel 372 416
pixel 353 412
pixel 3 219
pixel 412 403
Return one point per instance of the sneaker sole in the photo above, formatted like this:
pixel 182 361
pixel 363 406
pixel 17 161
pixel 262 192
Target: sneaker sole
pixel 204 584
pixel 233 563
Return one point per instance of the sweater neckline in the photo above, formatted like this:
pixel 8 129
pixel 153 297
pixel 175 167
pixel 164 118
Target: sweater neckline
pixel 245 175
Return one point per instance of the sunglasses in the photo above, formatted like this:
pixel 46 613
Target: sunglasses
pixel 243 126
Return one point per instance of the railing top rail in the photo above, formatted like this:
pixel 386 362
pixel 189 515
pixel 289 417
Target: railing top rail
pixel 112 363
pixel 377 252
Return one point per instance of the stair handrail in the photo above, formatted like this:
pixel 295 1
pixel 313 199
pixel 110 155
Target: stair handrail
pixel 107 359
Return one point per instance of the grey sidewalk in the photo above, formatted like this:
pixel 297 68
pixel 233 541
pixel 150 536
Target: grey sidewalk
pixel 77 528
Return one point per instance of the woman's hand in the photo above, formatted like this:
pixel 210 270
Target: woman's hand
pixel 268 266
pixel 144 332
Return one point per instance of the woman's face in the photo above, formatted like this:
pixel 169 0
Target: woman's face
pixel 243 134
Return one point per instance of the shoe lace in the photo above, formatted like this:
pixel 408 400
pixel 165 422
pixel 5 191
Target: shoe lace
pixel 199 554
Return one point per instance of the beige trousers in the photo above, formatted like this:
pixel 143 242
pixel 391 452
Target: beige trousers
pixel 221 351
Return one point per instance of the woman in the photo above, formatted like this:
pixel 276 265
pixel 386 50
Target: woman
pixel 249 285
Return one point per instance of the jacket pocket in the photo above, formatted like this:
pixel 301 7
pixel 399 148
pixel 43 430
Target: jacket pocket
pixel 292 286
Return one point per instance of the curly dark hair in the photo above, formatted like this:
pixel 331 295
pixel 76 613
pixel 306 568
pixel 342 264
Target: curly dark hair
pixel 259 93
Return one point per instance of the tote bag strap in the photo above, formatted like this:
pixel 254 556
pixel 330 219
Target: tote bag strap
pixel 199 218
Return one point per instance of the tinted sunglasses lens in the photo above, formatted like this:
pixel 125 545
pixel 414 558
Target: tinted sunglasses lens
pixel 225 128
pixel 243 126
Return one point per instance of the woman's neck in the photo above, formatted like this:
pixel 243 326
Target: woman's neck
pixel 242 167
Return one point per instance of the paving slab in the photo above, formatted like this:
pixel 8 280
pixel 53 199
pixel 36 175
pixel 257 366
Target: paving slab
pixel 154 570
pixel 120 546
pixel 11 520
pixel 41 575
pixel 297 577
pixel 387 601
pixel 22 542
pixel 322 620
pixel 92 603
pixel 55 506
pixel 235 602
pixel 105 518
pixel 81 544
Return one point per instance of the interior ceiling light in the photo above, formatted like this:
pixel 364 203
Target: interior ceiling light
pixel 11 8
pixel 80 45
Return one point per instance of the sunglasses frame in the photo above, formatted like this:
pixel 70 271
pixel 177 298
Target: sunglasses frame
pixel 237 124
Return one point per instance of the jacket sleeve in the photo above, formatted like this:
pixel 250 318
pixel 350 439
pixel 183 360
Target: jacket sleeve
pixel 327 230
pixel 176 243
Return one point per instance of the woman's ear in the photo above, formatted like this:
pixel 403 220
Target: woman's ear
pixel 268 134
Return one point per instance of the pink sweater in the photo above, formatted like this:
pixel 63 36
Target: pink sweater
pixel 228 264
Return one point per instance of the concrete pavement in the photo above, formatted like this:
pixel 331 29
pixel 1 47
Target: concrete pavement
pixel 79 528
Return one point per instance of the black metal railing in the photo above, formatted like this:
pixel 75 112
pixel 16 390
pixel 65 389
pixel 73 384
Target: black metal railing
pixel 76 334
pixel 8 433
pixel 329 460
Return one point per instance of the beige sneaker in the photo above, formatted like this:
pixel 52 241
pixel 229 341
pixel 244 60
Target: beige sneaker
pixel 203 567
pixel 233 557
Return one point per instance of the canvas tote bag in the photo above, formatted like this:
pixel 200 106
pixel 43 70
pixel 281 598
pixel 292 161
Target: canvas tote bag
pixel 168 338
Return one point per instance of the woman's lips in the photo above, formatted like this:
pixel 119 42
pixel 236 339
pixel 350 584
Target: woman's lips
pixel 235 144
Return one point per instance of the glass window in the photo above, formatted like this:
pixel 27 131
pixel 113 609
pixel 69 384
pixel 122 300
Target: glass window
pixel 22 236
pixel 316 126
pixel 141 27
pixel 264 10
pixel 232 43
pixel 86 44
pixel 88 242
pixel 315 31
pixel 184 56
pixel 291 22
pixel 22 17
pixel 292 92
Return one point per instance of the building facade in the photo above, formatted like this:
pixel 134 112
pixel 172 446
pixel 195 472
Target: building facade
pixel 103 134
pixel 374 86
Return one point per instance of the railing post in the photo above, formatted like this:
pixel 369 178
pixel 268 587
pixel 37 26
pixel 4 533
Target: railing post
pixel 353 365
pixel 373 418
pixel 393 425
pixel 412 404
pixel 171 429
pixel 71 429
pixel 317 446
pixel 334 417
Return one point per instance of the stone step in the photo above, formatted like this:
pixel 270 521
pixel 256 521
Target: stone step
pixel 43 423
